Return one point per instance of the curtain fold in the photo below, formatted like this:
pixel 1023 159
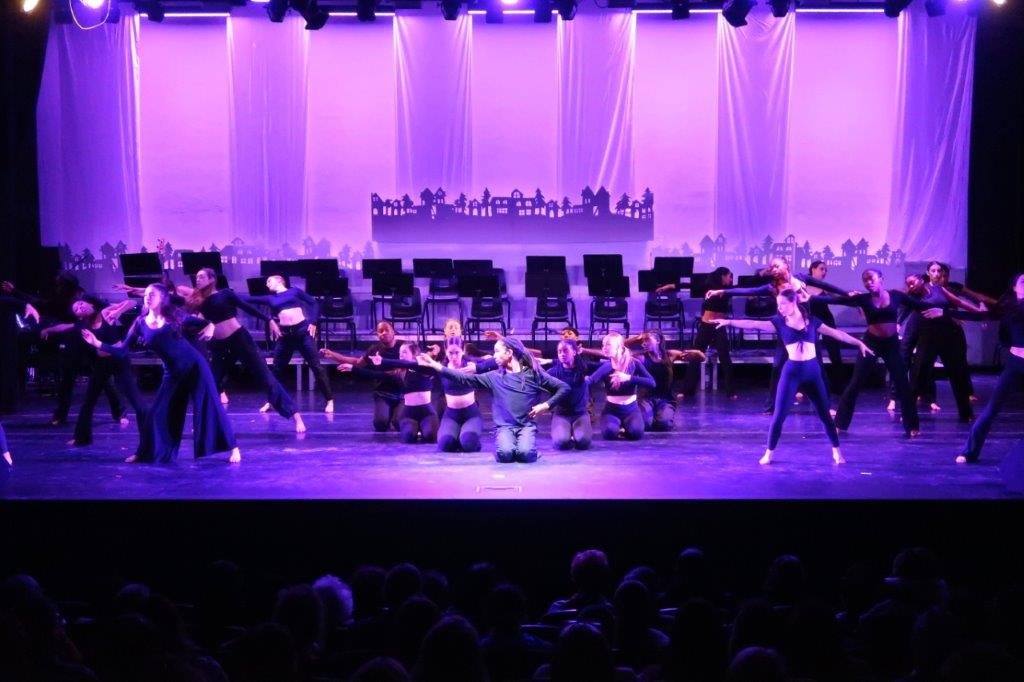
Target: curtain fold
pixel 928 212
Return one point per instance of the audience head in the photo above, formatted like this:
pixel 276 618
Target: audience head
pixel 786 579
pixel 299 610
pixel 590 572
pixel 403 581
pixel 368 591
pixel 582 653
pixel 451 652
pixel 381 669
pixel 336 598
pixel 756 664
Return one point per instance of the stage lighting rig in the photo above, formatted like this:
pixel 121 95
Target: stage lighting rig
pixel 542 12
pixel 366 10
pixel 780 8
pixel 736 11
pixel 450 9
pixel 680 9
pixel 566 9
pixel 892 8
pixel 935 8
pixel 310 11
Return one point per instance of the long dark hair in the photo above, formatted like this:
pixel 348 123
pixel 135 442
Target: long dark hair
pixel 198 296
pixel 716 278
pixel 520 353
pixel 171 311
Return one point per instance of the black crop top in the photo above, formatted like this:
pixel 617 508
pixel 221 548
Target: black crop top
pixel 717 304
pixel 662 374
pixel 876 314
pixel 448 385
pixel 640 377
pixel 292 297
pixel 788 335
pixel 223 304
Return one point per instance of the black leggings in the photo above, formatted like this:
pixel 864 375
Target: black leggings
pixel 385 411
pixel 70 361
pixel 708 335
pixel 460 429
pixel 659 413
pixel 239 347
pixel 615 417
pixel 3 441
pixel 296 338
pixel 888 349
pixel 103 370
pixel 571 431
pixel 415 420
pixel 1013 374
pixel 805 374
pixel 944 338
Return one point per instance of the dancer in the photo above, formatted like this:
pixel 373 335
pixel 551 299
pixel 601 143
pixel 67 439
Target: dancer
pixel 417 418
pixel 658 405
pixel 622 375
pixel 713 308
pixel 1010 311
pixel 387 393
pixel 781 278
pixel 517 385
pixel 294 331
pixel 880 307
pixel 943 337
pixel 12 304
pixel 461 422
pixel 798 333
pixel 231 342
pixel 187 378
pixel 818 270
pixel 571 426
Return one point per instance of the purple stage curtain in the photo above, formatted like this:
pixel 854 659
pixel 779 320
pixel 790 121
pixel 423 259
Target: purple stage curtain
pixel 268 96
pixel 755 73
pixel 434 119
pixel 928 212
pixel 88 147
pixel 595 87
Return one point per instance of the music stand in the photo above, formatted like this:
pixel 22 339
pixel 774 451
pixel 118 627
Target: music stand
pixel 603 265
pixel 546 285
pixel 141 269
pixel 194 261
pixel 681 266
pixel 472 268
pixel 433 268
pixel 257 286
pixel 545 264
pixel 614 286
pixel 750 281
pixel 699 284
pixel 327 287
pixel 393 284
pixel 381 267
pixel 277 267
pixel 650 280
pixel 317 268
pixel 479 286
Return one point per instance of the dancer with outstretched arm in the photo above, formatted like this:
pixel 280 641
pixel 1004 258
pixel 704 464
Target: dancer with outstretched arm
pixel 517 385
pixel 798 334
pixel 11 304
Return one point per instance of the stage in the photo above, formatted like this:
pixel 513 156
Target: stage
pixel 712 454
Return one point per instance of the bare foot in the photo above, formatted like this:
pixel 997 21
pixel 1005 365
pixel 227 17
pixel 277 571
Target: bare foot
pixel 891 407
pixel 300 426
pixel 832 413
pixel 934 407
pixel 123 421
pixel 329 407
pixel 265 408
pixel 766 458
pixel 837 457
pixel 236 456
pixel 799 397
pixel 914 433
pixel 8 459
pixel 973 398
pixel 131 460
pixel 224 398
pixel 72 442
pixel 960 459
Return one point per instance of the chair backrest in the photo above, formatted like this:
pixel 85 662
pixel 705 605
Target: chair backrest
pixel 337 306
pixel 759 307
pixel 407 306
pixel 486 307
pixel 610 308
pixel 555 307
pixel 448 286
pixel 662 304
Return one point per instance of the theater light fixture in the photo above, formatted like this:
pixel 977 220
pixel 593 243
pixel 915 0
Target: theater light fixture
pixel 680 9
pixel 450 9
pixel 366 10
pixel 935 8
pixel 310 11
pixel 780 8
pixel 566 9
pixel 29 5
pixel 892 8
pixel 736 11
pixel 542 12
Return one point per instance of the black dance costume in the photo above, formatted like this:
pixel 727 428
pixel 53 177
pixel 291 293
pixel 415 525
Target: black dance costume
pixel 239 346
pixel 658 405
pixel 387 392
pixel 296 337
pixel 187 379
pixel 413 420
pixel 104 368
pixel 709 334
pixel 570 418
pixel 615 416
pixel 943 337
pixel 797 375
pixel 886 348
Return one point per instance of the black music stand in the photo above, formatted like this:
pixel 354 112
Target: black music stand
pixel 386 287
pixel 317 268
pixel 682 266
pixel 602 265
pixel 470 268
pixel 141 269
pixel 540 264
pixel 277 267
pixel 699 284
pixel 257 286
pixel 381 267
pixel 650 280
pixel 194 261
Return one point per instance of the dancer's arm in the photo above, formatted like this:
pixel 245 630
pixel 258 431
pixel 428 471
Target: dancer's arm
pixel 845 338
pixel 556 387
pixel 754 325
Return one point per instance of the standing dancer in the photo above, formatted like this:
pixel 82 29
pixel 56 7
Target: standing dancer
pixel 417 418
pixel 9 303
pixel 819 309
pixel 782 278
pixel 1010 311
pixel 187 378
pixel 387 393
pixel 231 342
pixel 571 426
pixel 517 385
pixel 294 331
pixel 798 333
pixel 622 375
pixel 713 308
pixel 658 405
pixel 880 307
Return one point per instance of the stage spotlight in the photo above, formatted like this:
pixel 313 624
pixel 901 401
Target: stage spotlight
pixel 542 12
pixel 892 8
pixel 493 14
pixel 29 5
pixel 736 11
pixel 154 11
pixel 311 12
pixel 680 9
pixel 780 8
pixel 566 9
pixel 935 8
pixel 999 3
pixel 366 10
pixel 276 9
pixel 450 9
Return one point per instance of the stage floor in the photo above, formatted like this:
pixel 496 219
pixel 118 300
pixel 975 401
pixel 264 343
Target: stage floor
pixel 712 454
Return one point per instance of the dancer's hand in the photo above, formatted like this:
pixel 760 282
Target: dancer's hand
pixel 7 287
pixel 712 293
pixel 865 351
pixel 491 335
pixel 312 330
pixel 90 338
pixel 619 378
pixel 428 361
pixel 44 334
pixel 207 333
pixel 345 367
pixel 275 331
pixel 665 287
pixel 375 359
pixel 30 311
pixel 720 323
pixel 434 349
pixel 932 313
pixel 692 354
pixel 538 409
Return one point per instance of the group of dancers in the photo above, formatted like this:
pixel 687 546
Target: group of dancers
pixel 196 334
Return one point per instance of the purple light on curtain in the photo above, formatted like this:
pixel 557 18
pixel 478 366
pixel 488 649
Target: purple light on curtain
pixel 268 128
pixel 88 136
pixel 433 61
pixel 595 85
pixel 755 72
pixel 928 216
